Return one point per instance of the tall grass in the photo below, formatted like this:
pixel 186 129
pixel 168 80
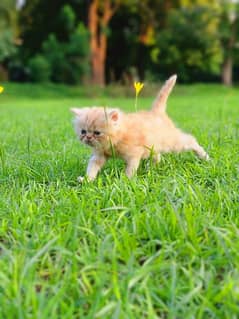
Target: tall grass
pixel 162 245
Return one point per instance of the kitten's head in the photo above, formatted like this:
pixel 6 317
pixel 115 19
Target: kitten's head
pixel 96 126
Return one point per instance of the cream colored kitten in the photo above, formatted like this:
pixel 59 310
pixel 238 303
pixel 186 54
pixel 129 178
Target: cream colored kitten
pixel 132 136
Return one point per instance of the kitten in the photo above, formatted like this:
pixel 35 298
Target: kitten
pixel 132 136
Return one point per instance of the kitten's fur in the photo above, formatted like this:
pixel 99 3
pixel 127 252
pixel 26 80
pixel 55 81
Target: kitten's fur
pixel 132 136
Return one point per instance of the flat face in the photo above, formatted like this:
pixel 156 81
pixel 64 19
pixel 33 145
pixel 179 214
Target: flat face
pixel 92 127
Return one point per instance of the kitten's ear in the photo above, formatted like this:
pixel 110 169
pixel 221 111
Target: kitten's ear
pixel 114 115
pixel 75 110
pixel 78 112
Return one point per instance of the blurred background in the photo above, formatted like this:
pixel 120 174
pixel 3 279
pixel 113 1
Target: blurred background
pixel 117 41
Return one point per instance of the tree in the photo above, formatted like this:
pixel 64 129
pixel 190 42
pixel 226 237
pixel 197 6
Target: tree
pixel 68 60
pixel 37 19
pixel 58 35
pixel 134 27
pixel 189 44
pixel 8 32
pixel 229 28
pixel 99 16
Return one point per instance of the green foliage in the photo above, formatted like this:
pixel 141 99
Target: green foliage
pixel 62 40
pixel 39 68
pixel 190 37
pixel 7 47
pixel 68 60
pixel 189 44
pixel 57 17
pixel 67 18
pixel 37 19
pixel 7 28
pixel 53 51
pixel 229 27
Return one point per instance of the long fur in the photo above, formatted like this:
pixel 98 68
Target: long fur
pixel 160 103
pixel 132 136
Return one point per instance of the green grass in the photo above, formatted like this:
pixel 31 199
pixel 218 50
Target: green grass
pixel 162 245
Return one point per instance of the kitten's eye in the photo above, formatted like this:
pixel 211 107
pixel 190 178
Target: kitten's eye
pixel 96 133
pixel 83 132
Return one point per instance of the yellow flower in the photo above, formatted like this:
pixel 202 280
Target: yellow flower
pixel 138 87
pixel 1 89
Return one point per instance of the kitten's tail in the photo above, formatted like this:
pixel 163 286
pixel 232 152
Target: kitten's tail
pixel 160 103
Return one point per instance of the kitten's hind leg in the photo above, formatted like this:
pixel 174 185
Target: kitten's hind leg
pixel 157 158
pixel 132 165
pixel 189 143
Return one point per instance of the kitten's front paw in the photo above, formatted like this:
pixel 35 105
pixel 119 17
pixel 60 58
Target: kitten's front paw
pixel 206 157
pixel 85 178
pixel 80 179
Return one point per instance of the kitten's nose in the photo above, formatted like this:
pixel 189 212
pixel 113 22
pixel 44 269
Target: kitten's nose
pixel 89 137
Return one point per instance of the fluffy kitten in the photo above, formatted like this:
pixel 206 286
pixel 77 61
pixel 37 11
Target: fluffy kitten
pixel 132 136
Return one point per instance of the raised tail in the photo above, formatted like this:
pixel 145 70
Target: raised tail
pixel 160 103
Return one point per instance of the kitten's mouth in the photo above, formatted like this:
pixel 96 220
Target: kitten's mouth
pixel 89 143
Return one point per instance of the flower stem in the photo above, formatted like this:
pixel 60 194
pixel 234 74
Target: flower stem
pixel 136 102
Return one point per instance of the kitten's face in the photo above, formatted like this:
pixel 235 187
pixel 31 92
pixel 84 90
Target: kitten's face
pixel 96 126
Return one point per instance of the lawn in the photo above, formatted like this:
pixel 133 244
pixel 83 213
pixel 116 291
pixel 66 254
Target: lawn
pixel 162 245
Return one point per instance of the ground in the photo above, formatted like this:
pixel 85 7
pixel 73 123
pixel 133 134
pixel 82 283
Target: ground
pixel 162 245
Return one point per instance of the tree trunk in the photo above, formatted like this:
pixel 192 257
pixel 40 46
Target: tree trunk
pixel 98 67
pixel 97 24
pixel 93 22
pixel 227 68
pixel 3 73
